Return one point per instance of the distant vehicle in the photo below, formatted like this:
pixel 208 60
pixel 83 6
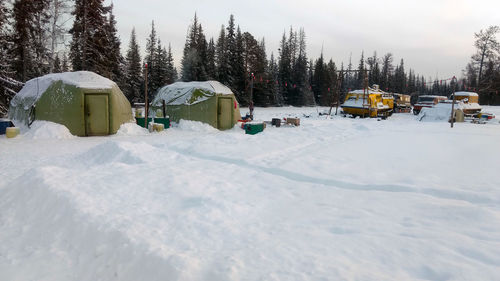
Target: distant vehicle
pixel 402 103
pixel 371 102
pixel 426 101
pixel 469 102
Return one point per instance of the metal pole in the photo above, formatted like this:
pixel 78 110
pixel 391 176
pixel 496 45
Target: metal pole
pixel 146 96
pixel 339 88
pixel 251 87
pixel 453 103
pixel 365 89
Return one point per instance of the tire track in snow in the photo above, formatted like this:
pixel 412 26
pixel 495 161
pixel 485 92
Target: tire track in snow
pixel 297 177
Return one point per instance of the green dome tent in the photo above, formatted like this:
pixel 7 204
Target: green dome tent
pixel 210 102
pixel 86 103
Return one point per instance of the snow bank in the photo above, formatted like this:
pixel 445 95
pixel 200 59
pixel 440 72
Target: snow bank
pixel 47 130
pixel 52 238
pixel 131 129
pixel 115 152
pixel 182 92
pixel 195 126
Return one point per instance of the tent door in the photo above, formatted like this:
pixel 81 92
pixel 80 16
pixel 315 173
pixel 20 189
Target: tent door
pixel 225 113
pixel 96 115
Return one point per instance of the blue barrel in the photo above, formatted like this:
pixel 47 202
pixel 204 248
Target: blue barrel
pixel 4 124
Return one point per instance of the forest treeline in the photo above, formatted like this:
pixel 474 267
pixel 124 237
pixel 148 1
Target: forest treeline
pixel 46 36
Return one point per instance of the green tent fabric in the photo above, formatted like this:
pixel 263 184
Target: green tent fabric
pixel 86 103
pixel 210 102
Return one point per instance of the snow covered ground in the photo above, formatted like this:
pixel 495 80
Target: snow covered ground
pixel 333 199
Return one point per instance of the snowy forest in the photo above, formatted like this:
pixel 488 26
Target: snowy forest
pixel 38 37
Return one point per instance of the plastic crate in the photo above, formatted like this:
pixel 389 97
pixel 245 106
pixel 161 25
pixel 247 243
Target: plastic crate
pixel 252 129
pixel 160 120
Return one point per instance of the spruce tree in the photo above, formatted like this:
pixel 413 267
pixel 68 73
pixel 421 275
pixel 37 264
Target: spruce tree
pixel 360 75
pixel 387 69
pixel 113 54
pixel 5 42
pixel 300 93
pixel 231 53
pixel 57 64
pixel 90 41
pixel 160 66
pixel 210 66
pixel 171 71
pixel 150 60
pixel 240 77
pixel 195 54
pixel 318 84
pixel 30 55
pixel 133 70
pixel 284 69
pixel 64 63
pixel 221 58
pixel 273 72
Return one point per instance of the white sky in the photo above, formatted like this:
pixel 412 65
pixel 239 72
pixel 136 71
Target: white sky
pixel 435 38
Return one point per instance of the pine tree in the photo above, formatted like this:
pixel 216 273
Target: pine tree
pixel 5 42
pixel 318 84
pixel 349 80
pixel 30 55
pixel 300 93
pixel 387 69
pixel 195 54
pixel 400 79
pixel 171 71
pixel 57 65
pixel 114 56
pixel 133 69
pixel 159 76
pixel 64 63
pixel 90 42
pixel 273 72
pixel 361 72
pixel 284 69
pixel 210 66
pixel 221 58
pixel 150 60
pixel 240 77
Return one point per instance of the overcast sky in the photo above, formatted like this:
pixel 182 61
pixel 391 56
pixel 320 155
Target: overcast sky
pixel 435 37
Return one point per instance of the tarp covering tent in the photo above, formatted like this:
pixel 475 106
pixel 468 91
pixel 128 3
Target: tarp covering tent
pixel 86 103
pixel 210 102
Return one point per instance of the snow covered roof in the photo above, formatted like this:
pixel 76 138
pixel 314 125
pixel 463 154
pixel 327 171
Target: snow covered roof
pixel 34 88
pixel 369 91
pixel 431 96
pixel 182 92
pixel 466 94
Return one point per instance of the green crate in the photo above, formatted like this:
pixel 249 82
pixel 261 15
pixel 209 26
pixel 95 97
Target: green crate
pixel 252 129
pixel 164 121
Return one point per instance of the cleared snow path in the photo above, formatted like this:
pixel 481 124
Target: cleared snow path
pixel 338 199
